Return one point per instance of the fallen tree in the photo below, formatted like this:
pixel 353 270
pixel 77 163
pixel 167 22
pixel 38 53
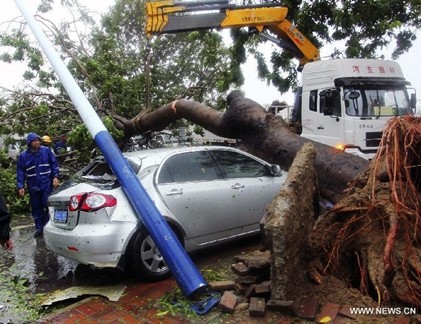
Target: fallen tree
pixel 371 237
pixel 262 134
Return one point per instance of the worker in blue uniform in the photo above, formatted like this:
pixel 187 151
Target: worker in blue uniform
pixel 37 167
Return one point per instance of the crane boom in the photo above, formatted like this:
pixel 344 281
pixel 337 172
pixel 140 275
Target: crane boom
pixel 169 16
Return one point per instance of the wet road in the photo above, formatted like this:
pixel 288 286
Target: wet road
pixel 31 260
pixel 30 269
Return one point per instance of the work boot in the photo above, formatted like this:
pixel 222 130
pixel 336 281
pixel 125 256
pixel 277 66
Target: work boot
pixel 38 233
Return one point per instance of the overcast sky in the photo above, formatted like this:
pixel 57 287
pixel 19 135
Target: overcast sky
pixel 254 88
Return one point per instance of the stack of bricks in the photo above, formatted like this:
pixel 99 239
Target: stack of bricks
pixel 251 290
pixel 251 287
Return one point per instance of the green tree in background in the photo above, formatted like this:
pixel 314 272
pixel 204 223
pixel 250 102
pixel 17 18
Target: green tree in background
pixel 122 72
pixel 113 60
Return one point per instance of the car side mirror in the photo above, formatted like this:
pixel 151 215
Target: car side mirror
pixel 275 170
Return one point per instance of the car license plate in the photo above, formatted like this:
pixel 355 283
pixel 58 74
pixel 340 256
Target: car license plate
pixel 60 215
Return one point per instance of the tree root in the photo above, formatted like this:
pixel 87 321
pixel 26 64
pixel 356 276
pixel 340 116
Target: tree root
pixel 376 272
pixel 378 222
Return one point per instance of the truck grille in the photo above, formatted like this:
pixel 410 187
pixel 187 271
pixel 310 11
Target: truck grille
pixel 373 139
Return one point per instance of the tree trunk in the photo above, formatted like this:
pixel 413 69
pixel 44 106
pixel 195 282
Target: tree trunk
pixel 373 233
pixel 261 133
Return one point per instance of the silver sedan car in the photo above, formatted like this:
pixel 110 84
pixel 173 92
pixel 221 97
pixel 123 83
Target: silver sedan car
pixel 208 195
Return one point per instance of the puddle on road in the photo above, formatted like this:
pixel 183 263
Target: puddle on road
pixel 30 259
pixel 31 269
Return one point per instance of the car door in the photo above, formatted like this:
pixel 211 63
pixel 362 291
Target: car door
pixel 192 188
pixel 252 187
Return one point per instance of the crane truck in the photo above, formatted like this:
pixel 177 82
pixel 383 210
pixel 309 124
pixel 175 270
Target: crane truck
pixel 344 103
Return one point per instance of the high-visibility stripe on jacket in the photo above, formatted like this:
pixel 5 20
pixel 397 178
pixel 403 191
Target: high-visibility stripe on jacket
pixel 37 168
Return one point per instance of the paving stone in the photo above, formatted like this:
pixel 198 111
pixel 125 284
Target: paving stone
pixel 249 279
pixel 240 268
pixel 250 291
pixel 116 316
pixel 241 288
pixel 105 314
pixel 329 310
pixel 345 311
pixel 228 302
pixel 136 305
pixel 257 307
pixel 308 309
pixel 402 320
pixel 222 285
pixel 258 260
pixel 71 316
pixel 282 306
pixel 89 320
pixel 94 305
pixel 262 288
pixel 343 320
pixel 150 317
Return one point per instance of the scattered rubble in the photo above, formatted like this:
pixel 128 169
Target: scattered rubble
pixel 326 303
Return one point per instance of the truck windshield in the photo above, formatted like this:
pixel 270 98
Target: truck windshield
pixel 376 101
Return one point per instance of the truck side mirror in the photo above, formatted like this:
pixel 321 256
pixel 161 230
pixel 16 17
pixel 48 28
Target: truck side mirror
pixel 328 111
pixel 354 95
pixel 329 93
pixel 413 100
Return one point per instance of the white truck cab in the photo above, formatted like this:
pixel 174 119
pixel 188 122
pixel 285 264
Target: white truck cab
pixel 346 103
pixel 343 103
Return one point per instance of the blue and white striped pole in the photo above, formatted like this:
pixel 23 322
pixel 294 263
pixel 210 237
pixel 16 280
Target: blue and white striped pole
pixel 184 271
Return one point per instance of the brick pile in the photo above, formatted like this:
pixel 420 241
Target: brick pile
pixel 251 290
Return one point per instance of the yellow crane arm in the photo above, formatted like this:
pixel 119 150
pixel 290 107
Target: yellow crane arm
pixel 169 16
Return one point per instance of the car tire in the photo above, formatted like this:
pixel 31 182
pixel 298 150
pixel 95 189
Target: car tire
pixel 147 261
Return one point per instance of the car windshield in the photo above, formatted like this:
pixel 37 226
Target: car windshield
pixel 99 174
pixel 376 101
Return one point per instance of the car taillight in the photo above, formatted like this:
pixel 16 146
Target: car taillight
pixel 91 201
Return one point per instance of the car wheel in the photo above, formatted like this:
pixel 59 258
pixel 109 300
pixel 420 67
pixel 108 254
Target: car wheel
pixel 148 262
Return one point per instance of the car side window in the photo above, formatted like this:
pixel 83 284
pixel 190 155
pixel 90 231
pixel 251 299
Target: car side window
pixel 192 166
pixel 237 165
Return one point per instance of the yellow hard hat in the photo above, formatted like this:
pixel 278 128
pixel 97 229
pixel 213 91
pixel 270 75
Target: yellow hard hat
pixel 46 139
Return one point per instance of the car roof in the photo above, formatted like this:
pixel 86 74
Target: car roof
pixel 170 150
pixel 157 155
